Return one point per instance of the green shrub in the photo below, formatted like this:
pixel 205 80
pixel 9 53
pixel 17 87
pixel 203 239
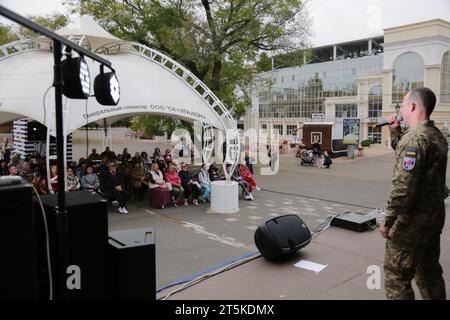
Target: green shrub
pixel 366 143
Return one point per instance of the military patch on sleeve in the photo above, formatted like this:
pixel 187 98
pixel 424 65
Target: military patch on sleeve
pixel 411 153
pixel 409 161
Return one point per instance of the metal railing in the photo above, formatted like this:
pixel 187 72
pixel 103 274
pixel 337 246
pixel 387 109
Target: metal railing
pixel 222 113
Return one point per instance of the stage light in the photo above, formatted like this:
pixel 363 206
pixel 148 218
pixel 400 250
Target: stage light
pixel 77 81
pixel 106 88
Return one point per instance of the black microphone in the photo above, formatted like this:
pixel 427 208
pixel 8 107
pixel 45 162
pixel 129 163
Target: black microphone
pixel 383 122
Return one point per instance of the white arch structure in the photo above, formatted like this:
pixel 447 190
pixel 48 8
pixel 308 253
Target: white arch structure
pixel 150 82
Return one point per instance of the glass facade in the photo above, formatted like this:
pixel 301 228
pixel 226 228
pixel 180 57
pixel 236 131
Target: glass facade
pixel 445 78
pixel 311 84
pixel 375 102
pixel 408 74
pixel 375 134
pixel 346 111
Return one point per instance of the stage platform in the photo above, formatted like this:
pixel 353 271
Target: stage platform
pixel 346 254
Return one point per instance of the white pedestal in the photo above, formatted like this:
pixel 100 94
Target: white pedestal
pixel 224 197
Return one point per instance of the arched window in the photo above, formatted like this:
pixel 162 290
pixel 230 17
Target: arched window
pixel 375 101
pixel 445 78
pixel 408 74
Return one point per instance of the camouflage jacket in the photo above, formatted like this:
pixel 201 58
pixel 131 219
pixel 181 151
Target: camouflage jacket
pixel 418 184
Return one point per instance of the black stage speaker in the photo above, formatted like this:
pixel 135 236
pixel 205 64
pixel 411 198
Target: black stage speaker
pixel 18 268
pixel 87 246
pixel 281 236
pixel 133 270
pixel 353 221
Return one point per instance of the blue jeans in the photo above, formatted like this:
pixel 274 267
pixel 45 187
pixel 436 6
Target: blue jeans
pixel 245 187
pixel 207 191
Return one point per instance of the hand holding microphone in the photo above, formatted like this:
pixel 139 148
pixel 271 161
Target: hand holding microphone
pixel 393 121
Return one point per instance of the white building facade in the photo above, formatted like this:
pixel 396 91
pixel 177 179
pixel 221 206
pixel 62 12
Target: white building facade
pixel 362 79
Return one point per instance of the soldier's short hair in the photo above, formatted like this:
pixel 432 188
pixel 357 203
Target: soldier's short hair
pixel 426 97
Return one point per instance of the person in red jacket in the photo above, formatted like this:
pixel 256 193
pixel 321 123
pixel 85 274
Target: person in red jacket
pixel 245 173
pixel 172 177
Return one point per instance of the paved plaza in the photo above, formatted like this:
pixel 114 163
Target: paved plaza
pixel 190 240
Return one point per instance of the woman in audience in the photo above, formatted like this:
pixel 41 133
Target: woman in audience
pixel 245 173
pixel 90 180
pixel 81 168
pixel 205 182
pixel 138 182
pixel 242 183
pixel 53 179
pixel 157 155
pixel 160 194
pixel 145 159
pixel 172 177
pixel 73 183
pixel 168 156
pixel 191 187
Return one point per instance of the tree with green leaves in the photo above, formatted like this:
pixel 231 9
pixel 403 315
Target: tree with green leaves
pixel 53 22
pixel 218 40
pixel 157 125
pixel 7 35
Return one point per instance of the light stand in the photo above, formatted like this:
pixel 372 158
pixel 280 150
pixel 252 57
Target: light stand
pixel 58 84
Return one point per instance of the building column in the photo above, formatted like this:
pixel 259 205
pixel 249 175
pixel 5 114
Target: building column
pixel 433 78
pixel 387 103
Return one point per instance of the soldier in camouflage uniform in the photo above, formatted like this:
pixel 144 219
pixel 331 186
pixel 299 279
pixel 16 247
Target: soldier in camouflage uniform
pixel 416 211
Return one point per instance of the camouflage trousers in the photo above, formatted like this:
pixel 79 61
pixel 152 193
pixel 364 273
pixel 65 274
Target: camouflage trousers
pixel 403 263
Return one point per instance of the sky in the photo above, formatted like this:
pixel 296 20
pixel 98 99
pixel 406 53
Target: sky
pixel 334 21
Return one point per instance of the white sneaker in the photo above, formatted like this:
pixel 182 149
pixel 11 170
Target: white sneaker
pixel 251 197
pixel 115 203
pixel 124 210
pixel 247 198
pixel 258 188
pixel 120 210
